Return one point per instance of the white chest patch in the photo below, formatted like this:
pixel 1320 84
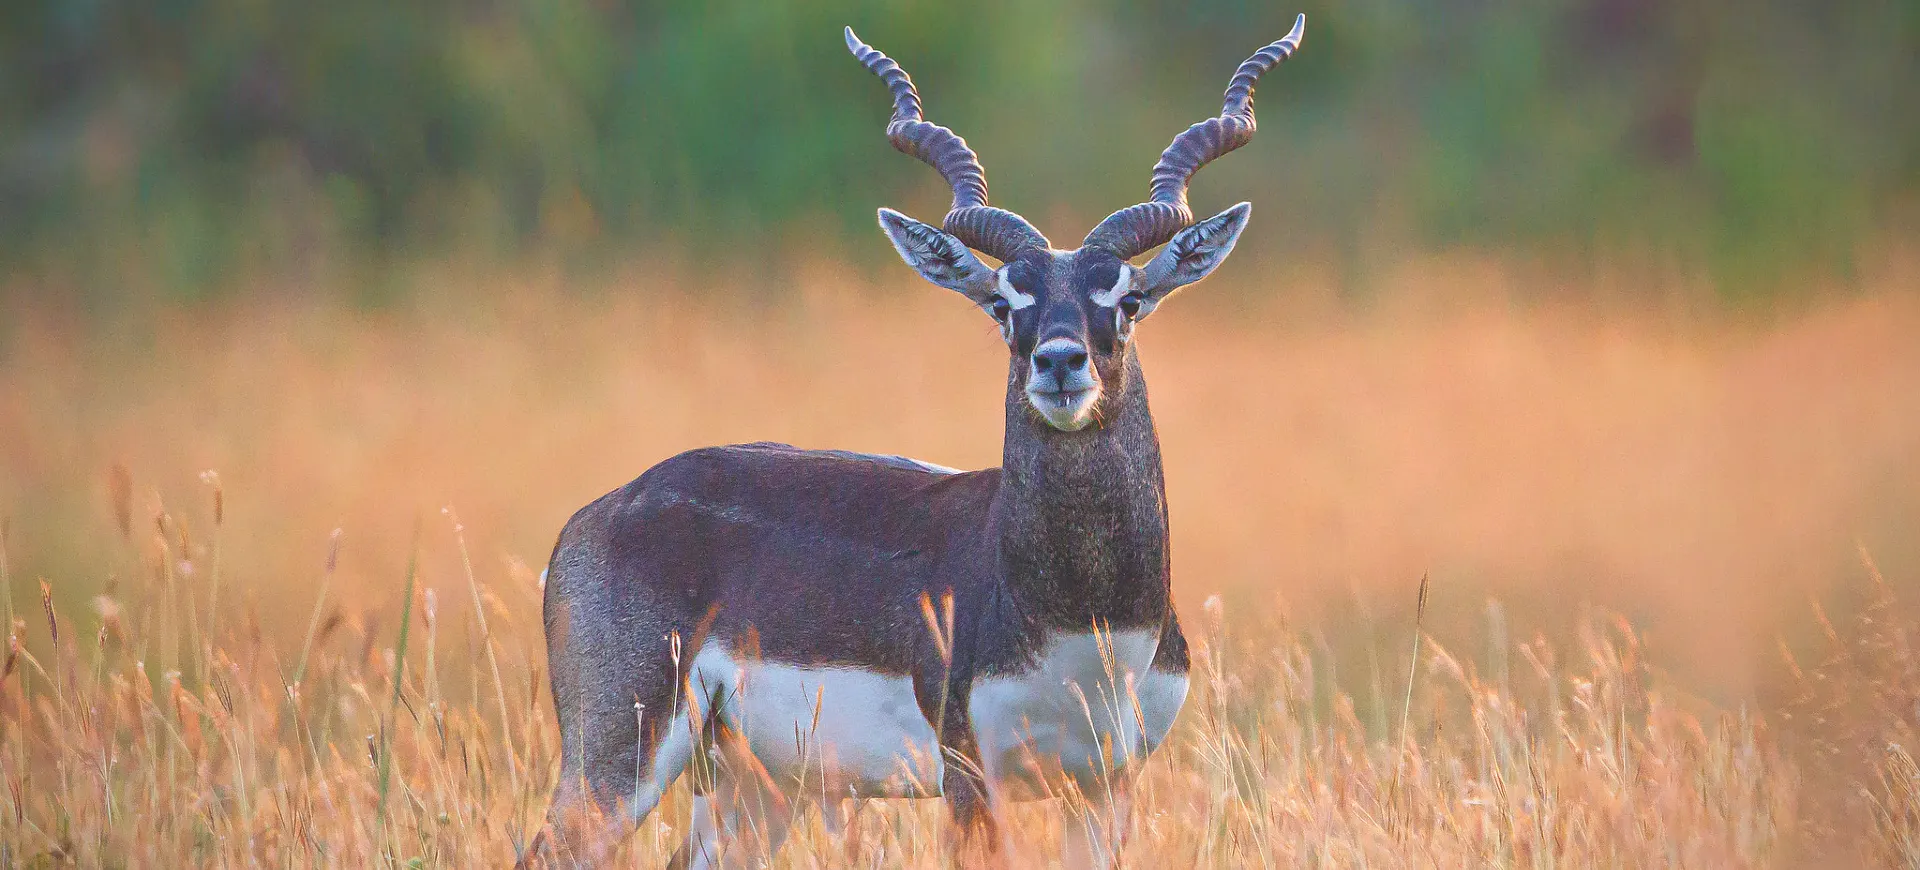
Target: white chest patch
pixel 1090 707
pixel 859 731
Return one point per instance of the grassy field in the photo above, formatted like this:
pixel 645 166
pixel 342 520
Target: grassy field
pixel 272 568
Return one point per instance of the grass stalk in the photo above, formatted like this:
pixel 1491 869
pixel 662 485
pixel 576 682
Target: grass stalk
pixel 1406 705
pixel 393 702
pixel 486 642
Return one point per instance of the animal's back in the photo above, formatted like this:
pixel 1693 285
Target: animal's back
pixel 823 553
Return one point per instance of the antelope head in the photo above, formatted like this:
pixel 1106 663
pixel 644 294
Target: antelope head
pixel 1068 316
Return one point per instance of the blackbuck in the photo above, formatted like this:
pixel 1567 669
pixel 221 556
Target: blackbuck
pixel 817 627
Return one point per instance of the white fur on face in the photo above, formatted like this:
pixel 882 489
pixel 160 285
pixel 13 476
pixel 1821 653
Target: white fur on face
pixel 1110 298
pixel 1016 300
pixel 1067 412
pixel 1066 406
pixel 1122 285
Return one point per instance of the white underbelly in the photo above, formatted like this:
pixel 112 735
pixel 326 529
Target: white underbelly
pixel 837 731
pixel 1089 708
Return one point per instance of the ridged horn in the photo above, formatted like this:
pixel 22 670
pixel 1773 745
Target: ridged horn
pixel 994 231
pixel 1136 229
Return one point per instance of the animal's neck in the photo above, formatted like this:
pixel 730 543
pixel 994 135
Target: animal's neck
pixel 1082 517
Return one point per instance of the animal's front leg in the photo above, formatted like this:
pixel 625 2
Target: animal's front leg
pixel 754 813
pixel 977 841
pixel 1096 826
pixel 841 819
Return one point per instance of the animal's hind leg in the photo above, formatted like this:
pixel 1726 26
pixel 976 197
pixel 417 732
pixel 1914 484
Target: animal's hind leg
pixel 732 828
pixel 625 729
pixel 740 816
pixel 616 773
pixel 706 822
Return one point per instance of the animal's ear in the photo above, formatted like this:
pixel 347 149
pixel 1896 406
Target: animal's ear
pixel 1194 252
pixel 938 256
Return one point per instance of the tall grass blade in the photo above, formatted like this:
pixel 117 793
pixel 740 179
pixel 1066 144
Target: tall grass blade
pixel 399 679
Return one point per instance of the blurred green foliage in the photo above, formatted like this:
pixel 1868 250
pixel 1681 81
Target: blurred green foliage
pixel 188 141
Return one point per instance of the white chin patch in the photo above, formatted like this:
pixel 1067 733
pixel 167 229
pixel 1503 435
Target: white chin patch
pixel 1067 412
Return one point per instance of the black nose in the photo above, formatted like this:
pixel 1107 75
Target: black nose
pixel 1062 359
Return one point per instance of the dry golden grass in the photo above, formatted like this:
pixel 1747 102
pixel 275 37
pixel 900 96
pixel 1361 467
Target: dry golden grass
pixel 1652 495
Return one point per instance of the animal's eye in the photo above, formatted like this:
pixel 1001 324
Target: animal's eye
pixel 1130 306
pixel 1001 310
